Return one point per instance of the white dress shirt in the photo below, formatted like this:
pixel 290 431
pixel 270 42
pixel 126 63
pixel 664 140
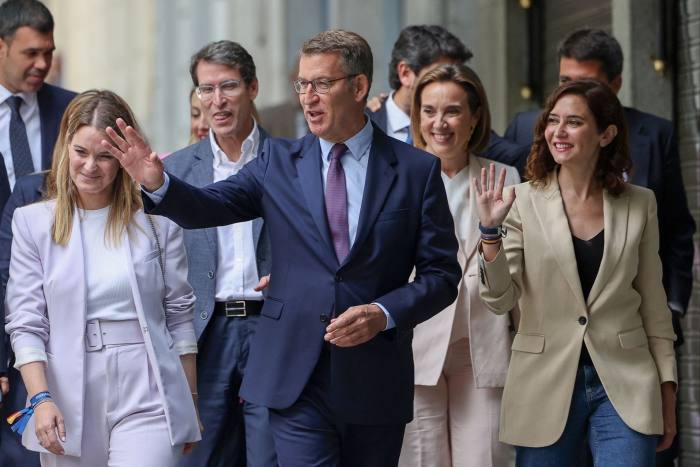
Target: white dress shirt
pixel 237 270
pixel 29 111
pixel 398 123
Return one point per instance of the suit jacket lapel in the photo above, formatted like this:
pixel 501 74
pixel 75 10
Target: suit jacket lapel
pixel 380 178
pixel 639 149
pixel 203 175
pixel 310 173
pixel 549 209
pixel 615 212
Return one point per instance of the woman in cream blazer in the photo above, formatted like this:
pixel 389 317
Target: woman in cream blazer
pixel 121 387
pixel 461 354
pixel 600 366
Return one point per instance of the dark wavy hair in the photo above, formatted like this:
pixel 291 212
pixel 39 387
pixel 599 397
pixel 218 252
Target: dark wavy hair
pixel 614 160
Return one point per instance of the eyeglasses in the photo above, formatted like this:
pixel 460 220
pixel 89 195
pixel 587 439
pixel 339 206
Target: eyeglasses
pixel 229 88
pixel 320 86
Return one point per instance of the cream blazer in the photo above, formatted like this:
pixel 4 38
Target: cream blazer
pixel 625 323
pixel 489 336
pixel 45 309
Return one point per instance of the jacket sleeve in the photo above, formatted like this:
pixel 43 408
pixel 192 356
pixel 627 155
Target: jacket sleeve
pixel 653 309
pixel 179 296
pixel 25 307
pixel 500 282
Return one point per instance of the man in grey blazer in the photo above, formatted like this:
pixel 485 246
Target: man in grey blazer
pixel 226 263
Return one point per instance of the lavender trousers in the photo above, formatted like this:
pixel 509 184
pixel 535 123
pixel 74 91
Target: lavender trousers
pixel 124 422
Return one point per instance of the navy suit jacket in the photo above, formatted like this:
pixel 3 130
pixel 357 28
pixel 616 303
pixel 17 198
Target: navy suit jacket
pixel 655 165
pixel 194 165
pixel 404 223
pixel 52 103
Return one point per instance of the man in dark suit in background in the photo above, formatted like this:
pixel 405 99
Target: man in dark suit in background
pixel 591 53
pixel 416 48
pixel 350 213
pixel 30 114
pixel 225 263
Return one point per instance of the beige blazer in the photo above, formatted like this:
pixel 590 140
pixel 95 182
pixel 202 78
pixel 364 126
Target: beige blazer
pixel 625 323
pixel 489 336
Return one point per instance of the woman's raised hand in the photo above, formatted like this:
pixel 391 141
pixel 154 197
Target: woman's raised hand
pixel 134 154
pixel 492 204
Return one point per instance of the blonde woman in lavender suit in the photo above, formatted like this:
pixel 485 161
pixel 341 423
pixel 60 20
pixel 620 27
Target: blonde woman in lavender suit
pixel 461 354
pixel 99 310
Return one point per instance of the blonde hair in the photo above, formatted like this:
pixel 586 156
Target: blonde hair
pixel 98 109
pixel 467 79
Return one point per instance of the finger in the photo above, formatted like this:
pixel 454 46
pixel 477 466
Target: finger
pixel 475 186
pixel 187 448
pixel 262 283
pixel 117 140
pixel 113 150
pixel 492 176
pixel 509 198
pixel 134 138
pixel 501 182
pixel 665 442
pixel 345 319
pixel 484 185
pixel 53 445
pixel 4 385
pixel 357 337
pixel 61 429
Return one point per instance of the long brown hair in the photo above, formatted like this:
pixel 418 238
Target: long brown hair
pixel 467 79
pixel 614 159
pixel 98 109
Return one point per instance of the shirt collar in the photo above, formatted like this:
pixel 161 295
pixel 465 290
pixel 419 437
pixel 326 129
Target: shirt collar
pixel 396 118
pixel 29 98
pixel 249 148
pixel 357 144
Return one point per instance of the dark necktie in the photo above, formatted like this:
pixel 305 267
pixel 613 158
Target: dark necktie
pixel 19 145
pixel 337 203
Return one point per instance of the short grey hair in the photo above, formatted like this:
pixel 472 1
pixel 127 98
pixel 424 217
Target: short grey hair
pixel 353 49
pixel 227 53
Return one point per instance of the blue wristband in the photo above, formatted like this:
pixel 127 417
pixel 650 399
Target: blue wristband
pixel 18 420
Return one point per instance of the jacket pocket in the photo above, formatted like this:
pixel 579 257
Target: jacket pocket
pixel 530 343
pixel 633 338
pixel 272 308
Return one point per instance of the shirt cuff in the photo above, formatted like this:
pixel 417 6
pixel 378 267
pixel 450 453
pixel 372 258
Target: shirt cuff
pixel 390 324
pixel 29 355
pixel 185 347
pixel 158 195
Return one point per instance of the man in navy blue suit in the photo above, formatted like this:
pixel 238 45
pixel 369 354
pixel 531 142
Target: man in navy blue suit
pixel 592 53
pixel 351 213
pixel 30 114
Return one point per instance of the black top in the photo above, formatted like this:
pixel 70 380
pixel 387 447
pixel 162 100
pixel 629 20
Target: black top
pixel 589 254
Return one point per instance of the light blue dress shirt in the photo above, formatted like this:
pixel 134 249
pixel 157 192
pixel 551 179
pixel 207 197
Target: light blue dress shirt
pixel 354 162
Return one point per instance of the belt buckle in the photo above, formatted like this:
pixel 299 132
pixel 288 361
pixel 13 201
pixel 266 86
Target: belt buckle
pixel 235 309
pixel 93 335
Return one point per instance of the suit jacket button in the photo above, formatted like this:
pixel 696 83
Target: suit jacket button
pixel 323 317
pixel 338 279
pixel 582 320
pixel 210 274
pixel 203 315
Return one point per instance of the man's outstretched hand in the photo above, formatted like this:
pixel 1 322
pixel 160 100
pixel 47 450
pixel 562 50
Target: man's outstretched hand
pixel 135 155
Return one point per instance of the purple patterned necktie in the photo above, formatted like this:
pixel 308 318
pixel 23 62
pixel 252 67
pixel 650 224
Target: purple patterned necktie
pixel 19 145
pixel 337 203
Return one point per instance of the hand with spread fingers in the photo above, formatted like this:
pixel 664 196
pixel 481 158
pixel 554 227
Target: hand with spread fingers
pixel 50 429
pixel 491 203
pixel 356 325
pixel 135 155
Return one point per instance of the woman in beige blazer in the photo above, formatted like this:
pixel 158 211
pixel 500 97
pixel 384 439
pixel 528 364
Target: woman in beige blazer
pixel 593 356
pixel 461 354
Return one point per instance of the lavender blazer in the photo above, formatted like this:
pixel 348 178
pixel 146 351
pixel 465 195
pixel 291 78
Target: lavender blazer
pixel 45 309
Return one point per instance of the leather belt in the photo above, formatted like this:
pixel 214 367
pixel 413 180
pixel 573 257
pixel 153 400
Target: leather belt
pixel 238 308
pixel 99 333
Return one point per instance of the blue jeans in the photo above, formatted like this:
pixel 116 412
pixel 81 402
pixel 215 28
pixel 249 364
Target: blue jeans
pixel 592 415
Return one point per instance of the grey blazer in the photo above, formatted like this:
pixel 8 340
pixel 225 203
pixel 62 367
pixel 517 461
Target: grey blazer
pixel 195 165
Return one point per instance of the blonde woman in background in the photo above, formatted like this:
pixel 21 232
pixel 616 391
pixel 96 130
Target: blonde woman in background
pixel 461 354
